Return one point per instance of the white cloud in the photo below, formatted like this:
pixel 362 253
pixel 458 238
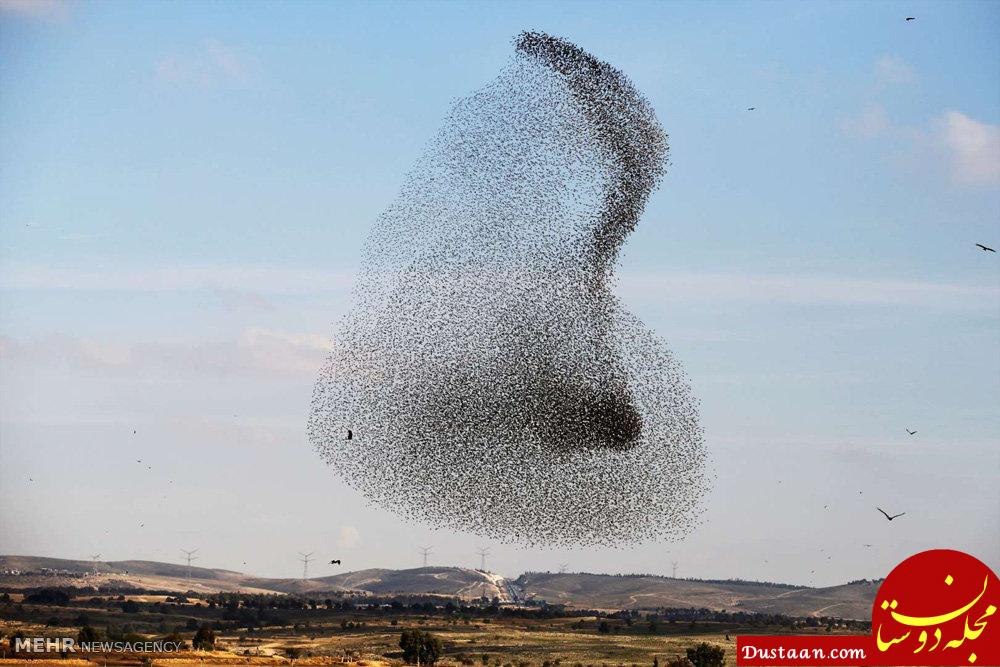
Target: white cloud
pixel 254 352
pixel 803 289
pixel 251 282
pixel 215 278
pixel 213 61
pixel 968 149
pixel 349 537
pixel 893 70
pixel 872 122
pixel 973 147
pixel 45 10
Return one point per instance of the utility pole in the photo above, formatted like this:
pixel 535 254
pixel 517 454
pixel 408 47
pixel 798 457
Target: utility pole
pixel 189 556
pixel 674 574
pixel 483 553
pixel 562 568
pixel 425 551
pixel 93 559
pixel 305 558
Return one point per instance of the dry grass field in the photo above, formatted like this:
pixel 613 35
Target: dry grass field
pixel 566 642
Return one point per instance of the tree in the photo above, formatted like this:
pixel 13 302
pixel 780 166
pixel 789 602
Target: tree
pixel 48 596
pixel 706 655
pixel 204 639
pixel 87 634
pixel 420 646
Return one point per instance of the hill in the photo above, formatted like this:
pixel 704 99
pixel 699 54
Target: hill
pixel 603 591
pixel 578 590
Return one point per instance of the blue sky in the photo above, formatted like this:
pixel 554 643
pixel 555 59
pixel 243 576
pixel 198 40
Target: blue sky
pixel 185 188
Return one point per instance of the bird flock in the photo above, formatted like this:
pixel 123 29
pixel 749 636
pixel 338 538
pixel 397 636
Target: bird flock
pixel 486 378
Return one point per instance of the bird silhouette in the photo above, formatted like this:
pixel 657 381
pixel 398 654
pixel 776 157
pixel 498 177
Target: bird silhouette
pixel 890 518
pixel 985 248
pixel 751 108
pixel 910 18
pixel 334 562
pixel 911 432
pixel 349 434
pixel 867 546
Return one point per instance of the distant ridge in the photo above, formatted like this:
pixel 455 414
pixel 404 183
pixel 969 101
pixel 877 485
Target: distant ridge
pixel 579 590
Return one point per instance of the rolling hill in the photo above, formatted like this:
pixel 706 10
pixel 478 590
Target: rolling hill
pixel 603 591
pixel 578 590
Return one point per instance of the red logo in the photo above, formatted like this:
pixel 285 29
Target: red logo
pixel 935 608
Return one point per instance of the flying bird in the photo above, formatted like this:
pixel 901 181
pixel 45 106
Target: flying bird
pixel 751 108
pixel 349 434
pixel 910 18
pixel 867 546
pixel 985 248
pixel 334 562
pixel 890 518
pixel 911 432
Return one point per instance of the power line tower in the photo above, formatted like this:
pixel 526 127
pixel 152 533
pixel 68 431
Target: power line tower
pixel 562 568
pixel 483 552
pixel 305 558
pixel 189 556
pixel 93 561
pixel 674 572
pixel 425 552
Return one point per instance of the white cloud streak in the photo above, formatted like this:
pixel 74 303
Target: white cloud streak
pixel 236 279
pixel 254 352
pixel 252 281
pixel 891 69
pixel 803 290
pixel 42 10
pixel 973 147
pixel 212 62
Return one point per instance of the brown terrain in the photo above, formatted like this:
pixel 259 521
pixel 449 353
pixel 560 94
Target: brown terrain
pixel 574 590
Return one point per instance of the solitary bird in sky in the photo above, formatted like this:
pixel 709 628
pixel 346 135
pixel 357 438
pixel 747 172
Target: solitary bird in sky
pixel 911 432
pixel 334 562
pixel 890 518
pixel 349 434
pixel 985 248
pixel 867 546
pixel 751 108
pixel 910 18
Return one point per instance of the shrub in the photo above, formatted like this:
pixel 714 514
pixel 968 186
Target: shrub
pixel 706 655
pixel 420 645
pixel 204 639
